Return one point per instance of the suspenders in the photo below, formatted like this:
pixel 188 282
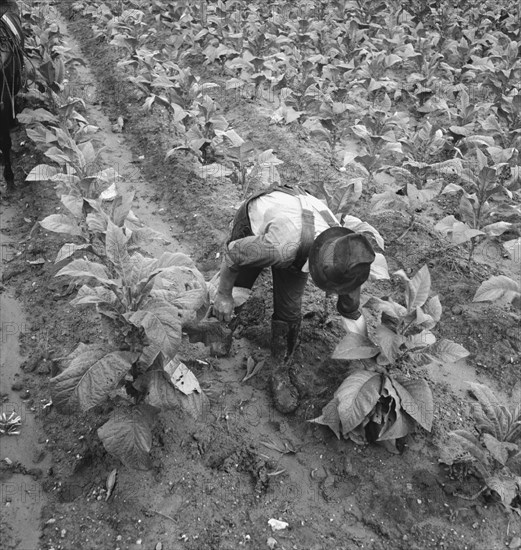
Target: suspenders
pixel 308 230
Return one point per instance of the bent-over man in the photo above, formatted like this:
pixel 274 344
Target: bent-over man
pixel 295 234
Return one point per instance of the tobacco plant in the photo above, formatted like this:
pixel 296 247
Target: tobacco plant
pixel 482 197
pixel 147 301
pixel 383 402
pixel 500 286
pixel 492 449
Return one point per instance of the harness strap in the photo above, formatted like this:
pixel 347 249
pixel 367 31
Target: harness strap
pixel 13 54
pixel 9 20
pixel 329 218
pixel 307 235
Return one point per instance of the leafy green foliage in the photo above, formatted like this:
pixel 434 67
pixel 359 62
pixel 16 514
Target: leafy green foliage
pixel 371 405
pixel 401 100
pixel 404 334
pixel 145 299
pixel 386 92
pixel 502 286
pixel 494 452
pixel 129 436
pixel 480 188
pixel 126 292
pixel 89 377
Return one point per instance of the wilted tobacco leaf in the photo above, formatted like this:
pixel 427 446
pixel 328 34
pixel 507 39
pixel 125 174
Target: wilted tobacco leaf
pixel 252 368
pixel 190 395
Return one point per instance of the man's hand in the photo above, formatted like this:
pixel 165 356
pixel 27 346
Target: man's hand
pixel 357 326
pixel 223 306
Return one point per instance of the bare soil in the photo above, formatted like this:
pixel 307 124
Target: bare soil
pixel 216 483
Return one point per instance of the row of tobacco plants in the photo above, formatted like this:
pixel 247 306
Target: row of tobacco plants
pixel 343 84
pixel 416 101
pixel 146 301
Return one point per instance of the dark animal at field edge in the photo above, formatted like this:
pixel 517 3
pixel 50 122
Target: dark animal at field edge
pixel 11 67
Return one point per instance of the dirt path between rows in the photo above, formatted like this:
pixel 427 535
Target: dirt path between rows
pixel 21 495
pixel 214 484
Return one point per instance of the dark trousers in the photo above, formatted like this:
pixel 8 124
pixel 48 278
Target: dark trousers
pixel 288 290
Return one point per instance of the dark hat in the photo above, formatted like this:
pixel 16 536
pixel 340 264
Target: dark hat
pixel 340 260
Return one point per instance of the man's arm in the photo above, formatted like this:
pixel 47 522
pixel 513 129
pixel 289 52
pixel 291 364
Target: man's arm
pixel 352 318
pixel 223 304
pixel 254 251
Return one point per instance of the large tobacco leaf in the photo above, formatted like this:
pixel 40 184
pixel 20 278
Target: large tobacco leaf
pixel 162 325
pixel 389 306
pixel 190 301
pixel 416 399
pixel 355 346
pixel 159 391
pixel 69 249
pixel 179 279
pixel 90 376
pixel 458 232
pixel 128 436
pixel 87 271
pixel 61 223
pixel 357 395
pixel 418 289
pixel 389 342
pixel 94 295
pixel 497 287
pixel 116 249
pixel 390 404
pixel 446 351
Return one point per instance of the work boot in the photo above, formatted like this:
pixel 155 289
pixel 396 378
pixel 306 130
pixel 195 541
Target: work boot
pixel 293 339
pixel 284 338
